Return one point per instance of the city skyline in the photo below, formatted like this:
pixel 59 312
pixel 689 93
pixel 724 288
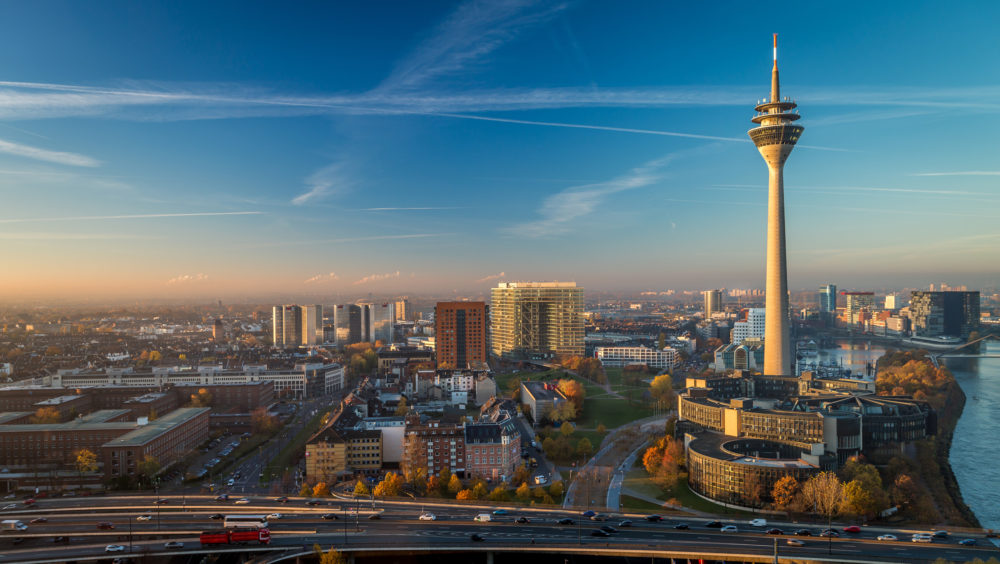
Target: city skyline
pixel 450 146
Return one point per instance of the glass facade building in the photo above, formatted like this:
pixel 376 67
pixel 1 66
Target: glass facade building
pixel 537 320
pixel 936 314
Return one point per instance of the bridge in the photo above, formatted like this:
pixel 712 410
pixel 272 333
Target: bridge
pixel 954 352
pixel 397 532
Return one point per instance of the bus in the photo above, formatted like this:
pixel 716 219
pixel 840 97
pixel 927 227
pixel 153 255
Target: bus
pixel 245 536
pixel 245 522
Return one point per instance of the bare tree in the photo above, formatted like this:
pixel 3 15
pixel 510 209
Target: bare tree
pixel 823 494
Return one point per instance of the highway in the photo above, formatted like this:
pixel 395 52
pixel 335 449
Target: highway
pixel 182 519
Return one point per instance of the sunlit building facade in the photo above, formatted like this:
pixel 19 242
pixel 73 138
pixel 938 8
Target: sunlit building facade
pixel 537 319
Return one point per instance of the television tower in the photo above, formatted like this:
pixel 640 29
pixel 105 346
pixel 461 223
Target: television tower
pixel 775 137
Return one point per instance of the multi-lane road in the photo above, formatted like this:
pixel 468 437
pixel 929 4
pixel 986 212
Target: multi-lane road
pixel 303 525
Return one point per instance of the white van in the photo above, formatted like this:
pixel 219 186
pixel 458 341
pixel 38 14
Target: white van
pixel 922 537
pixel 483 518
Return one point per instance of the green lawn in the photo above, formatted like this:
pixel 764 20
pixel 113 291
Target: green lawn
pixel 638 480
pixel 612 412
pixel 635 504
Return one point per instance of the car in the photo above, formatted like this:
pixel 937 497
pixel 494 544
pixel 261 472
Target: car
pixel 598 517
pixel 887 538
pixel 940 534
pixel 803 533
pixel 729 529
pixel 106 525
pixel 774 531
pixel 795 542
pixel 282 499
pixel 38 520
pixel 161 501
pixel 231 482
pixel 60 539
pixel 29 501
pixel 714 524
pixel 565 521
pixel 829 533
pixel 17 540
pixel 313 502
pixel 329 516
pixel 10 506
pixel 852 529
pixel 173 544
pixel 375 516
pixel 114 548
pixel 243 501
pixel 682 526
pixel 477 537
pixel 967 542
pixel 427 517
pixel 609 529
pixel 274 516
pixel 216 516
pixel 223 497
pixel 758 523
pixel 654 518
pixel 144 518
pixel 499 511
pixel 589 513
pixel 922 537
pixel 599 533
pixel 522 520
pixel 625 523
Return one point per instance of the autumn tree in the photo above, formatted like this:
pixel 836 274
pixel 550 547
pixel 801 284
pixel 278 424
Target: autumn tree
pixel 584 448
pixel 566 429
pixel 85 462
pixel 784 492
pixel 521 474
pixel 402 408
pixel 663 461
pixel 321 489
pixel 662 390
pixel 203 398
pixel 45 415
pixel 523 492
pixel 454 484
pixel 332 556
pixel 479 490
pixel 465 495
pixel 574 392
pixel 863 491
pixel 361 489
pixel 498 493
pixel 148 467
pixel 390 486
pixel 263 422
pixel 556 489
pixel 823 494
pixel 305 491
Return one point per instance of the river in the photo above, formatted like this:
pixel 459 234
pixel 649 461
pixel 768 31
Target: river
pixel 972 459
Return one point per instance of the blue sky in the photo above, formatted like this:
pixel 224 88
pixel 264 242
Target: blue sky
pixel 247 148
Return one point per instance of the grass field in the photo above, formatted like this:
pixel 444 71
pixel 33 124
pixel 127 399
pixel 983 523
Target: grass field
pixel 638 480
pixel 636 504
pixel 612 412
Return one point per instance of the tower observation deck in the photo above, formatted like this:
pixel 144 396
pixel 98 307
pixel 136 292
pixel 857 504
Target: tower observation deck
pixel 775 137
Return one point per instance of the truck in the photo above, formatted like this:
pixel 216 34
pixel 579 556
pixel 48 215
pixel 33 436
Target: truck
pixel 13 525
pixel 483 518
pixel 235 536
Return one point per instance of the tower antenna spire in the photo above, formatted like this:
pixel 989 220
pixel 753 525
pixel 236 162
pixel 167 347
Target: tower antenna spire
pixel 775 87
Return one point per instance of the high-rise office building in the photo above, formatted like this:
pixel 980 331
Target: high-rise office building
pixel 218 331
pixel 403 311
pixel 775 137
pixel 537 319
pixel 713 302
pixel 750 326
pixel 828 300
pixel 380 322
pixel 312 325
pixel 460 334
pixel 936 314
pixel 347 324
pixel 892 302
pixel 856 304
pixel 286 326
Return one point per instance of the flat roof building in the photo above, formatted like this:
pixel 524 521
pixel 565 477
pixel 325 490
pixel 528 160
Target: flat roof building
pixel 536 320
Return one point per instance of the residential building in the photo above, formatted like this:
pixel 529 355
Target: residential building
pixel 493 450
pixel 950 313
pixel 713 302
pixel 622 356
pixel 749 326
pixel 434 445
pixel 537 319
pixel 460 334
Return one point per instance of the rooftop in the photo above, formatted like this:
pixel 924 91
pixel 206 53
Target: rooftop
pixel 157 427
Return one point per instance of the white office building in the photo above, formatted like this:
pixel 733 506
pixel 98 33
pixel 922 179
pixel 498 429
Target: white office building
pixel 750 328
pixel 621 356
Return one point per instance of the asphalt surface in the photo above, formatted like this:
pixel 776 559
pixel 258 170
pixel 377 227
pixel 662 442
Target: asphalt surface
pixel 182 519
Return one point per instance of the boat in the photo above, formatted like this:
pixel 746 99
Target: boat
pixel 807 348
pixel 943 342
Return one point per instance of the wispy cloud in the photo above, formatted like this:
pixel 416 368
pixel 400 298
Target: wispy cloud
pixel 130 216
pixel 186 278
pixel 559 210
pixel 427 208
pixel 327 181
pixel 329 277
pixel 490 277
pixel 42 236
pixel 27 151
pixel 377 278
pixel 475 29
pixel 961 173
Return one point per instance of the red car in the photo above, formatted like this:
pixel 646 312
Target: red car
pixel 852 529
pixel 29 501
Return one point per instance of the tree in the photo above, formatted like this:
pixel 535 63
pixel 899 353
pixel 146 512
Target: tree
pixel 538 493
pixel 402 408
pixel 390 486
pixel 454 484
pixel 148 467
pixel 661 341
pixel 522 474
pixel 566 429
pixel 556 489
pixel 306 491
pixel 45 415
pixel 499 493
pixel 201 399
pixel 321 490
pixel 823 494
pixel 332 556
pixel 85 461
pixel 601 428
pixel 784 492
pixel 584 448
pixel 574 392
pixel 479 490
pixel 361 490
pixel 662 390
pixel 523 492
pixel 465 495
pixel 263 422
